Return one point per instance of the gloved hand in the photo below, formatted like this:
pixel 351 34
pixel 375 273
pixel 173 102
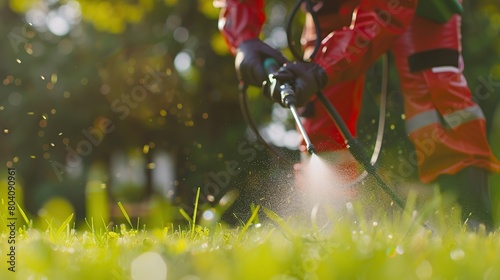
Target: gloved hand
pixel 306 79
pixel 249 61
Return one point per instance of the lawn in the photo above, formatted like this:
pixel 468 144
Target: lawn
pixel 350 244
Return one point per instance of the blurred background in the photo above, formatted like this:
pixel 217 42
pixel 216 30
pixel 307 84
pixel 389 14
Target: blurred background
pixel 137 102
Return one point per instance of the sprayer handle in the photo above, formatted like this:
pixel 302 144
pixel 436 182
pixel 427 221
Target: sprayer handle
pixel 286 92
pixel 271 65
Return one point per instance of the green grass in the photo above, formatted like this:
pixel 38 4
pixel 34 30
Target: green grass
pixel 350 245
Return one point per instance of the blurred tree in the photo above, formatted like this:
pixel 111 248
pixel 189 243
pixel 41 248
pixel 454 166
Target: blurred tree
pixel 81 79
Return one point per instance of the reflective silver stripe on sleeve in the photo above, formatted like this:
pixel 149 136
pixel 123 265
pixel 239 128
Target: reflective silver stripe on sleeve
pixel 460 117
pixel 420 120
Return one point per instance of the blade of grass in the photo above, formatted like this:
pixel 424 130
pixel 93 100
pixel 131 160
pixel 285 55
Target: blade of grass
pixel 277 219
pixel 25 218
pixel 104 223
pixel 50 229
pixel 185 215
pixel 252 208
pixel 239 220
pixel 64 224
pixel 91 225
pixel 255 211
pixel 195 212
pixel 125 214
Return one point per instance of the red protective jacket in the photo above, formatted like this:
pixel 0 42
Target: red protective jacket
pixel 345 53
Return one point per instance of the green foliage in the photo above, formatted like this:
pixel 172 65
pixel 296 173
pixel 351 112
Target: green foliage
pixel 352 245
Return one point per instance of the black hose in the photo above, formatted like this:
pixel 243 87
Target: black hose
pixel 357 149
pixel 289 23
pixel 291 43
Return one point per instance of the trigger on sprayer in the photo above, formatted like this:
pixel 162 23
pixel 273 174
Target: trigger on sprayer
pixel 287 94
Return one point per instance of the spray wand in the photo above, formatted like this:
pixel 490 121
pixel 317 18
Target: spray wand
pixel 288 100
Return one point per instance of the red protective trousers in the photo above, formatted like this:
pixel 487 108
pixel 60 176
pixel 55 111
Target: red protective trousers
pixel 445 125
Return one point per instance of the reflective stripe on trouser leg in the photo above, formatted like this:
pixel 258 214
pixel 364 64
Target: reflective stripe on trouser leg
pixel 446 148
pixel 444 124
pixel 452 120
pixel 465 142
pixel 453 135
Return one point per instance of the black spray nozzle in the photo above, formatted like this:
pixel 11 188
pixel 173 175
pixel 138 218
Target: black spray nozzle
pixel 311 149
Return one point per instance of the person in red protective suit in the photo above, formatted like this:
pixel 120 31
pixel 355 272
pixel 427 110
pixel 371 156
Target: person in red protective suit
pixel 446 127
